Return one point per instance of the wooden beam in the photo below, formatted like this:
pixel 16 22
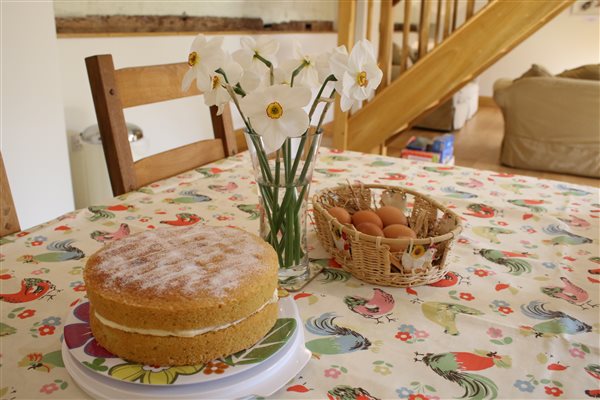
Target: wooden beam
pixel 111 24
pixel 490 34
pixel 109 112
pixel 176 161
pixel 370 7
pixel 454 15
pixel 424 27
pixel 9 223
pixel 470 9
pixel 151 84
pixel 438 23
pixel 447 18
pixel 405 37
pixel 386 32
pixel 346 23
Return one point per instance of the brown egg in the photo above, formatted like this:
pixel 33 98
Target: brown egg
pixel 398 231
pixel 369 229
pixel 366 216
pixel 340 214
pixel 391 215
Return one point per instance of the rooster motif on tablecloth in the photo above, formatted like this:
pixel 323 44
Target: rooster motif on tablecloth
pixel 104 236
pixel 564 237
pixel 59 251
pixel 569 292
pixel 379 306
pixel 444 314
pixel 31 289
pixel 555 322
pixel 338 340
pixel 453 366
pixel 516 265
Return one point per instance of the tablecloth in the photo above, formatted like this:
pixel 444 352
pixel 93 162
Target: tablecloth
pixel 516 316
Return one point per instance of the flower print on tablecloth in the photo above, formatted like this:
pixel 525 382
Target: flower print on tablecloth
pixel 80 334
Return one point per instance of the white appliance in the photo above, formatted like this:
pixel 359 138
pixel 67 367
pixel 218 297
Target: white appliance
pixel 91 184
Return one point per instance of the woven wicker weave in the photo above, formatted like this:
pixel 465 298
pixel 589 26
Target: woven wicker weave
pixel 367 257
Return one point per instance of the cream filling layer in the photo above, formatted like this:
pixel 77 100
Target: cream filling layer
pixel 181 333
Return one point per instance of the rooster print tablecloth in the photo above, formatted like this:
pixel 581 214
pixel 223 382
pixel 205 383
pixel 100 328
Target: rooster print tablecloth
pixel 516 316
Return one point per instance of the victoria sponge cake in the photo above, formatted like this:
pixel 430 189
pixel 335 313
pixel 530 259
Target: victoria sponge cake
pixel 181 296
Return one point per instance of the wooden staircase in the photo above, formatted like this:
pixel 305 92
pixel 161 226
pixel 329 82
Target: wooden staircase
pixel 458 56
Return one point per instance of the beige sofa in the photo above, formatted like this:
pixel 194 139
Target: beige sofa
pixel 551 123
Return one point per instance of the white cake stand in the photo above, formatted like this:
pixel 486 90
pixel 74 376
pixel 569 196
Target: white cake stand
pixel 262 380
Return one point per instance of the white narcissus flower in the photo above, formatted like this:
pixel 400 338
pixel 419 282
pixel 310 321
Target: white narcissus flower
pixel 309 75
pixel 333 62
pixel 264 46
pixel 205 56
pixel 211 85
pixel 276 113
pixel 359 76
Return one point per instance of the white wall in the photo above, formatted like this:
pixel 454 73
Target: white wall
pixel 33 139
pixel 181 122
pixel 568 41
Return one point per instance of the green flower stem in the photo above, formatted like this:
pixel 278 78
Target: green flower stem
pixel 330 78
pixel 268 64
pixel 297 71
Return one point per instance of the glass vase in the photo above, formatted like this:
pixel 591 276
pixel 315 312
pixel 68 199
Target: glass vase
pixel 283 182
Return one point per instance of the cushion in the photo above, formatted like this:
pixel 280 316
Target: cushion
pixel 590 72
pixel 535 71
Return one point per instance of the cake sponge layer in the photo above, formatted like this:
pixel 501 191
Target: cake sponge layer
pixel 171 350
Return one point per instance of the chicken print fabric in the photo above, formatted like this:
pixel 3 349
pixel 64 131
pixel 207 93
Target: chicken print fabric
pixel 517 315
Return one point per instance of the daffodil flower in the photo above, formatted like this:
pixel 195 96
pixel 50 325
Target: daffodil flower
pixel 308 75
pixel 204 58
pixel 329 62
pixel 359 75
pixel 252 50
pixel 275 113
pixel 212 85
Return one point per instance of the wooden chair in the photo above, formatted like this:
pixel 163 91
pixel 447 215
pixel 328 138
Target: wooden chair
pixel 113 90
pixel 9 223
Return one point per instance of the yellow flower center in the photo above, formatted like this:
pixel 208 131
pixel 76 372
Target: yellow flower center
pixel 274 110
pixel 193 59
pixel 216 81
pixel 361 79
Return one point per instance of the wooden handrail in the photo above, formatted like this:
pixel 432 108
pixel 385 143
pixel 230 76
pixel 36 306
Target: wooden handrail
pixel 482 40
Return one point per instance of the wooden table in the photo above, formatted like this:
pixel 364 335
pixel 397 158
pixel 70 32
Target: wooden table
pixel 517 316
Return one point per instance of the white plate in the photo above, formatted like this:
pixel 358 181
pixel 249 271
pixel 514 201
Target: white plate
pixel 264 379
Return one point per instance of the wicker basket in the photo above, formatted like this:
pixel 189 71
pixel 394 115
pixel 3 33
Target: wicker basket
pixel 367 257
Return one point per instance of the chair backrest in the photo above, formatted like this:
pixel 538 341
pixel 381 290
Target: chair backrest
pixel 113 90
pixel 9 223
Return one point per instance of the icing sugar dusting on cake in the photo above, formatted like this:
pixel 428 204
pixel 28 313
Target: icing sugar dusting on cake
pixel 187 260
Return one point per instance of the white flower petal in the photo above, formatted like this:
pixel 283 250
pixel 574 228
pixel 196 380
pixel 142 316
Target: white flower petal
pixel 248 43
pixel 249 81
pixel 294 122
pixel 254 104
pixel 204 82
pixel 269 131
pixel 294 97
pixel 234 72
pixel 267 47
pixel 346 103
pixel 188 78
